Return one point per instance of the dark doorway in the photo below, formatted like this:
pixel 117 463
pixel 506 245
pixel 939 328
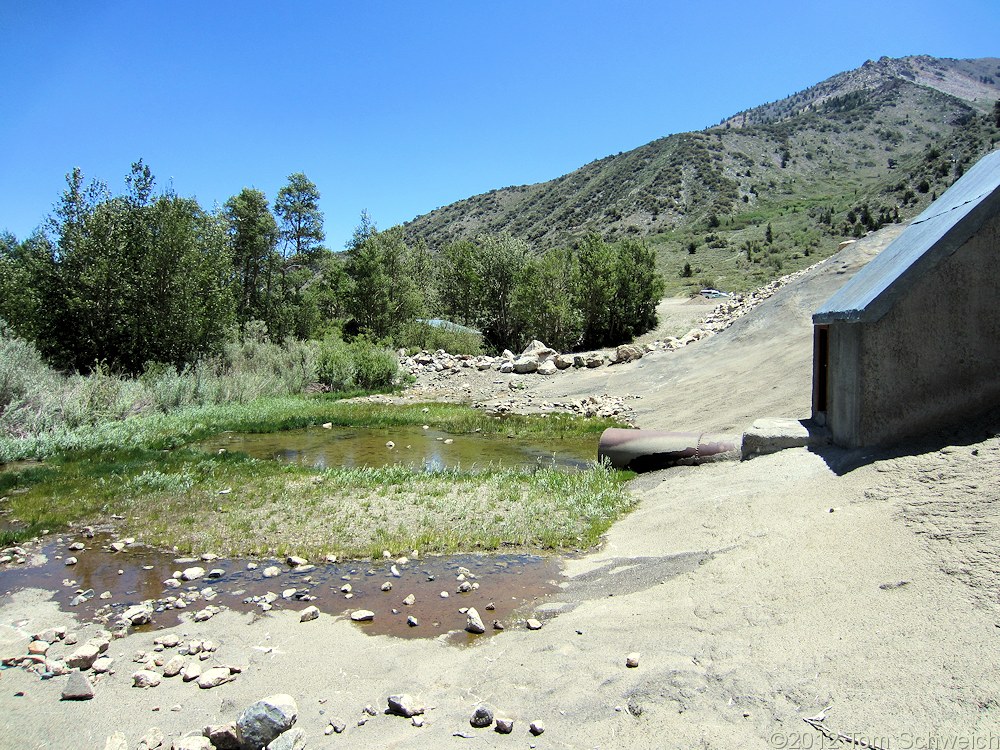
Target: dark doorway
pixel 821 364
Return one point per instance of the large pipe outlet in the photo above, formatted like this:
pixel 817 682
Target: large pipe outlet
pixel 648 450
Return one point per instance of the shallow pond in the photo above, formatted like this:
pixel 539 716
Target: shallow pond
pixel 420 448
pixel 506 586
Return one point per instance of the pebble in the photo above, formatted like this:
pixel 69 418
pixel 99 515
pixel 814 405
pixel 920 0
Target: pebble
pixel 410 599
pixel 632 660
pixel 71 561
pixel 214 677
pixel 481 717
pixel 387 586
pixel 534 624
pixel 412 621
pixel 144 678
pixel 362 615
pixel 404 705
pixel 505 726
pixel 309 613
pixel 474 623
pixel 536 728
pixel 272 571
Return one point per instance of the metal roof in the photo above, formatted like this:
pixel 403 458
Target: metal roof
pixel 946 225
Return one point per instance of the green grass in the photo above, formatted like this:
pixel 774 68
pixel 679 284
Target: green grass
pixel 145 469
pixel 172 499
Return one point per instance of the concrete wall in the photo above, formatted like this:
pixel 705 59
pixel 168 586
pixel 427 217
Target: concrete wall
pixel 931 361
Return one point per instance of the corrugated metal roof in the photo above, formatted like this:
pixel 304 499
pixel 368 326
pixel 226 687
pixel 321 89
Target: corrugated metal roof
pixel 939 231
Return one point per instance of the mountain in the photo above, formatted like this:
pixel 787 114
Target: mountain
pixel 863 148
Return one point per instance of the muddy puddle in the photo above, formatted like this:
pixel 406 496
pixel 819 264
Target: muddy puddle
pixel 103 583
pixel 415 447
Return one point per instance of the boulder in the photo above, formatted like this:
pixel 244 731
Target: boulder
pixel 265 720
pixel 404 705
pixel 524 365
pixel 293 739
pixel 474 623
pixel 223 736
pixel 548 367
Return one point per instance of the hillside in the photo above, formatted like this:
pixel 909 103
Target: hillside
pixel 862 149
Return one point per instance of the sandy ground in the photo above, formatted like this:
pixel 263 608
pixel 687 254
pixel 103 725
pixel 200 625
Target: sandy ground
pixel 756 593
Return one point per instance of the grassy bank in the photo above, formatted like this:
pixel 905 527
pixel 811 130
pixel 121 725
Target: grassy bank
pixel 171 493
pixel 230 504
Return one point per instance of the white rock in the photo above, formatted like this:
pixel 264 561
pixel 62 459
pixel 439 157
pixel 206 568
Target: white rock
pixel 309 613
pixel 192 573
pixel 362 615
pixel 474 623
pixel 214 677
pixel 145 678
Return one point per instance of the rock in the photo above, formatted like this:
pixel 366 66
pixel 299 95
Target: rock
pixel 151 740
pixel 192 574
pixel 84 657
pixel 77 688
pixel 294 562
pixel 593 360
pixel 404 705
pixel 628 353
pixel 338 726
pixel 194 742
pixel 506 367
pixel 524 365
pixel 395 572
pixel 58 667
pixel 214 677
pixel 417 721
pixel 263 721
pixel 216 573
pixel 173 667
pixel 103 664
pixel 223 736
pixel 474 623
pixel 293 739
pixel 387 586
pixel 191 672
pixel 481 717
pixel 505 726
pixel 632 660
pixel 362 615
pixel 145 678
pixel 410 599
pixel 39 648
pixel 117 741
pixel 548 367
pixel 497 625
pixel 137 615
pixel 309 613
pixel 563 362
pixel 71 561
pixel 412 621
pixel 536 728
pixel 76 546
pixel 534 624
pixel 271 571
pixel 539 351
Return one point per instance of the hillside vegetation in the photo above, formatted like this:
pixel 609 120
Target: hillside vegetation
pixel 769 190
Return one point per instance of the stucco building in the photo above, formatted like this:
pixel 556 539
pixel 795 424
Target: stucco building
pixel 912 342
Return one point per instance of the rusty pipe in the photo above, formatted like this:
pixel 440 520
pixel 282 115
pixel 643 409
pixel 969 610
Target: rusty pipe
pixel 648 450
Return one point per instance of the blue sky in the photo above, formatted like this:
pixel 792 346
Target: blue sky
pixel 401 107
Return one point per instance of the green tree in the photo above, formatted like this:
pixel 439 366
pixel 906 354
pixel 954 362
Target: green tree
pixel 458 282
pixel 383 294
pixel 301 221
pixel 544 300
pixel 500 261
pixel 253 237
pixel 595 293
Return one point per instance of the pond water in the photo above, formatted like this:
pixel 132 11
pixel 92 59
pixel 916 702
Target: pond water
pixel 506 585
pixel 423 449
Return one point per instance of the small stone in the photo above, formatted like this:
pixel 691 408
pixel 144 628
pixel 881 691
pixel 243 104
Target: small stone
pixel 252 566
pixel 103 664
pixel 145 678
pixel 152 739
pixel 117 741
pixel 534 624
pixel 106 595
pixel 295 562
pixel 444 594
pixel 632 660
pixel 309 613
pixel 214 677
pixel 77 688
pixel 192 574
pixel 491 606
pixel 216 573
pixel 362 615
pixel 474 623
pixel 38 648
pixel 410 599
pixel 395 572
pixel 191 672
pixel 505 726
pixel 404 705
pixel 173 667
pixel 338 726
pixel 481 717
pixel 71 561
pixel 76 546
pixel 412 621
pixel 417 721
pixel 293 739
pixel 536 728
pixel 497 625
pixel 84 657
pixel 272 571
pixel 194 742
pixel 464 587
pixel 387 586
pixel 346 588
